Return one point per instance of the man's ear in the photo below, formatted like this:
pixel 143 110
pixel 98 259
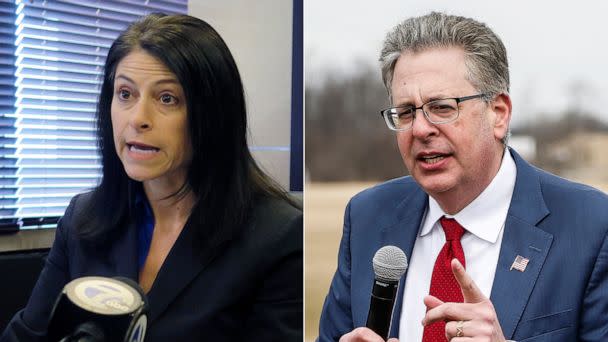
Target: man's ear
pixel 501 106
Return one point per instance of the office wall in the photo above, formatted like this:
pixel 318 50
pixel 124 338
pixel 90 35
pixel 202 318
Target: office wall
pixel 259 35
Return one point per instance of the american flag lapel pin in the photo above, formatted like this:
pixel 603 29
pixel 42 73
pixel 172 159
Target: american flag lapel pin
pixel 519 263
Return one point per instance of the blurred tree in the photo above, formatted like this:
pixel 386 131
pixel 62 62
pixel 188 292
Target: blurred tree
pixel 346 137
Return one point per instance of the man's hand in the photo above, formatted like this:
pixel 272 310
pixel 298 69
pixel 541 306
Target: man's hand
pixel 364 335
pixel 474 318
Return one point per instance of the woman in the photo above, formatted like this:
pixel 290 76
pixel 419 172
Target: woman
pixel 182 207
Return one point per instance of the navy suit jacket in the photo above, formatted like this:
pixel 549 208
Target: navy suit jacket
pixel 251 289
pixel 560 226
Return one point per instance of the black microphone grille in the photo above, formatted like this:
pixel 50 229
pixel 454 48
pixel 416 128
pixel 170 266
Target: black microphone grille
pixel 389 263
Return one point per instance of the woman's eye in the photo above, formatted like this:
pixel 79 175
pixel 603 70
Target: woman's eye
pixel 168 99
pixel 124 94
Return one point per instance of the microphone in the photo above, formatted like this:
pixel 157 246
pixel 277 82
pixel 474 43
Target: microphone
pixel 99 309
pixel 389 264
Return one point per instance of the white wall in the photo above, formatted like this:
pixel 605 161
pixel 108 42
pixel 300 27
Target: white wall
pixel 259 35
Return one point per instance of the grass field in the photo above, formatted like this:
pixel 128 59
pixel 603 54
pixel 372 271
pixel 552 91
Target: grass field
pixel 324 205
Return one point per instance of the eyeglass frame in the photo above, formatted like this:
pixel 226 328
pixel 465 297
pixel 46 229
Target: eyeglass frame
pixel 415 110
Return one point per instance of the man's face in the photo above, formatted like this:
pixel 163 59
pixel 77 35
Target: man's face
pixel 457 160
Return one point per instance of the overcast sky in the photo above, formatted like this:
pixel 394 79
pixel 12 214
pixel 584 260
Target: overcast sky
pixel 551 45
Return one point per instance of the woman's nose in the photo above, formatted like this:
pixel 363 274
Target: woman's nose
pixel 140 116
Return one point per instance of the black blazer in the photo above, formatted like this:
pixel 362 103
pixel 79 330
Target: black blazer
pixel 250 289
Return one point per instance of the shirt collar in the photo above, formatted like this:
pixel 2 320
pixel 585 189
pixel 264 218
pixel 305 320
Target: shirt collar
pixel 486 215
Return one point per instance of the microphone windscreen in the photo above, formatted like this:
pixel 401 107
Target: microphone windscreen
pixel 389 263
pixel 105 296
pixel 90 307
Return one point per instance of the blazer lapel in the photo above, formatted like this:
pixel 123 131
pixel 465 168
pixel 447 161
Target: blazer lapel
pixel 183 263
pixel 512 288
pixel 403 235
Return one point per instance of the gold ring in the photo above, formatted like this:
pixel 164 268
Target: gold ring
pixel 459 329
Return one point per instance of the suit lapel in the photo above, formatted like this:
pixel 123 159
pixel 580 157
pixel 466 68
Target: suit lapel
pixel 512 288
pixel 403 235
pixel 183 263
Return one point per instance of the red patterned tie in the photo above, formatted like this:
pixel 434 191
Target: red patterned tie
pixel 443 284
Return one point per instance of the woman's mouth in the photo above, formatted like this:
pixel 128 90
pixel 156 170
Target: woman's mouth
pixel 141 147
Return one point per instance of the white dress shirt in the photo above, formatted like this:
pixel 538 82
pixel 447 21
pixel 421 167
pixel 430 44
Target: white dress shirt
pixel 483 221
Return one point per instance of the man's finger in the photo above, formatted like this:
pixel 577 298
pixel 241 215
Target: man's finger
pixel 470 292
pixel 432 302
pixel 361 334
pixel 450 312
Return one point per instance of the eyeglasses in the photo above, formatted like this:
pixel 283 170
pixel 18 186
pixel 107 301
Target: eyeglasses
pixel 437 112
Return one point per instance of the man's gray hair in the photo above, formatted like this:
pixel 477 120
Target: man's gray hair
pixel 485 54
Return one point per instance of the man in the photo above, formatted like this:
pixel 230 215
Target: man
pixel 534 245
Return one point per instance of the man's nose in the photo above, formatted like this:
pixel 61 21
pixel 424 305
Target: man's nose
pixel 422 128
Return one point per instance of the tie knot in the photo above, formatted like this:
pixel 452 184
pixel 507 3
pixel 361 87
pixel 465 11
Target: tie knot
pixel 452 229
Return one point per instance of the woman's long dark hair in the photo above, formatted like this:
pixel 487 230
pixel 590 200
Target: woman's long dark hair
pixel 223 175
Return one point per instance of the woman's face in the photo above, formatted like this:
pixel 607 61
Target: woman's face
pixel 149 120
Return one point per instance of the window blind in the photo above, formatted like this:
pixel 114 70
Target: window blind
pixel 50 77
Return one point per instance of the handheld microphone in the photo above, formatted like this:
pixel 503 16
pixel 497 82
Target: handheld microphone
pixel 389 264
pixel 99 309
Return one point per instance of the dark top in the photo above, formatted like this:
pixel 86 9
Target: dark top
pixel 144 221
pixel 250 289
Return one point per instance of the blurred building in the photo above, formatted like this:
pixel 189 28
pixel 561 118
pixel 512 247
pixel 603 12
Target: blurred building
pixel 581 156
pixel 525 145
